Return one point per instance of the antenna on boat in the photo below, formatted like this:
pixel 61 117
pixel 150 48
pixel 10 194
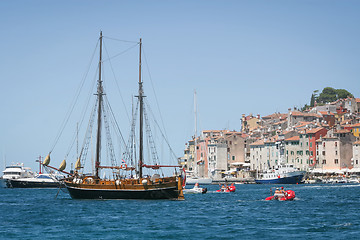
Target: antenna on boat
pixel 100 95
pixel 195 139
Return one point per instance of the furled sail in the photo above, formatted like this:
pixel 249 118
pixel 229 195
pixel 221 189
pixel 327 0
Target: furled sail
pixel 62 165
pixel 47 160
pixel 78 164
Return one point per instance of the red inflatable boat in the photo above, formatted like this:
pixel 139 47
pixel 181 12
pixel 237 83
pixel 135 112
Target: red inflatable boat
pixel 230 188
pixel 282 195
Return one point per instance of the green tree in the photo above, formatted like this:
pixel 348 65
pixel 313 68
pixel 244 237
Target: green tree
pixel 314 97
pixel 312 100
pixel 342 93
pixel 328 94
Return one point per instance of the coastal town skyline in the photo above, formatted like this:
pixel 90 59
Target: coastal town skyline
pixel 320 139
pixel 241 57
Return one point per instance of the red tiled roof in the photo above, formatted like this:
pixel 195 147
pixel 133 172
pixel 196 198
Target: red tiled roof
pixel 294 138
pixel 346 121
pixel 258 143
pixel 297 113
pixel 326 113
pixel 315 130
pixel 276 115
pixel 342 131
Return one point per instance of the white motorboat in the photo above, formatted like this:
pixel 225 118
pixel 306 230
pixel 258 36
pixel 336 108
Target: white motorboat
pixel 195 189
pixel 42 180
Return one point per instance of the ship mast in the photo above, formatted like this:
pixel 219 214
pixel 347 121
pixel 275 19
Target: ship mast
pixel 141 92
pixel 100 96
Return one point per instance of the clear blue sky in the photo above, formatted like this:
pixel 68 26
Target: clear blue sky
pixel 253 56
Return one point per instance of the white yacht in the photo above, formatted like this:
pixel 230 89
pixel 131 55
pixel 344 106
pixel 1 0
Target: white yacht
pixel 15 171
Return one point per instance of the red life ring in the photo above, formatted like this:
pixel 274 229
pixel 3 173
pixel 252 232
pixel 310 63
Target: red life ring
pixel 123 166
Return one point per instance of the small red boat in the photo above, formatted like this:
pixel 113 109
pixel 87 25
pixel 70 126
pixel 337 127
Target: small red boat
pixel 282 195
pixel 224 188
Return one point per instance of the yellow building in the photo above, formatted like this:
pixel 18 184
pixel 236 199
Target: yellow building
pixel 356 130
pixel 249 123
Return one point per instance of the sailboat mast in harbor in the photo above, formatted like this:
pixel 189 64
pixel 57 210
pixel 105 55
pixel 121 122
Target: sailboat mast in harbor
pixel 100 96
pixel 121 186
pixel 141 102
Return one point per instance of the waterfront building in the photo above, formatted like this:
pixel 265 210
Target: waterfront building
pixel 313 135
pixel 257 154
pixel 295 153
pixel 202 163
pixel 355 161
pixel 211 153
pixel 235 151
pixel 188 160
pixel 335 152
pixel 217 157
pixel 265 154
pixel 304 160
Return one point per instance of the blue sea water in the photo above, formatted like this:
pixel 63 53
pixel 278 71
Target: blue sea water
pixel 318 212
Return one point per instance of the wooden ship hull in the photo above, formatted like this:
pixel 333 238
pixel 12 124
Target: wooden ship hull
pixel 164 188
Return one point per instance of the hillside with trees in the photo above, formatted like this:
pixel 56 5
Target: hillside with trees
pixel 328 94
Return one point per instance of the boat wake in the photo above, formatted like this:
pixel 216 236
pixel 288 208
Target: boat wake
pixel 333 186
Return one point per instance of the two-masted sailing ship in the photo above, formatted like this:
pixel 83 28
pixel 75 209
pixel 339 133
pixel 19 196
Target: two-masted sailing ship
pixel 119 186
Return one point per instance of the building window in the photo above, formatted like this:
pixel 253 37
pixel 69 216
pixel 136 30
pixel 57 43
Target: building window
pixel 336 161
pixel 323 153
pixel 336 153
pixel 324 161
pixel 335 144
pixel 323 144
pixel 233 158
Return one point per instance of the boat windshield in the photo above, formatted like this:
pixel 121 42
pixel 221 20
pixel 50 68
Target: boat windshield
pixel 11 173
pixel 44 176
